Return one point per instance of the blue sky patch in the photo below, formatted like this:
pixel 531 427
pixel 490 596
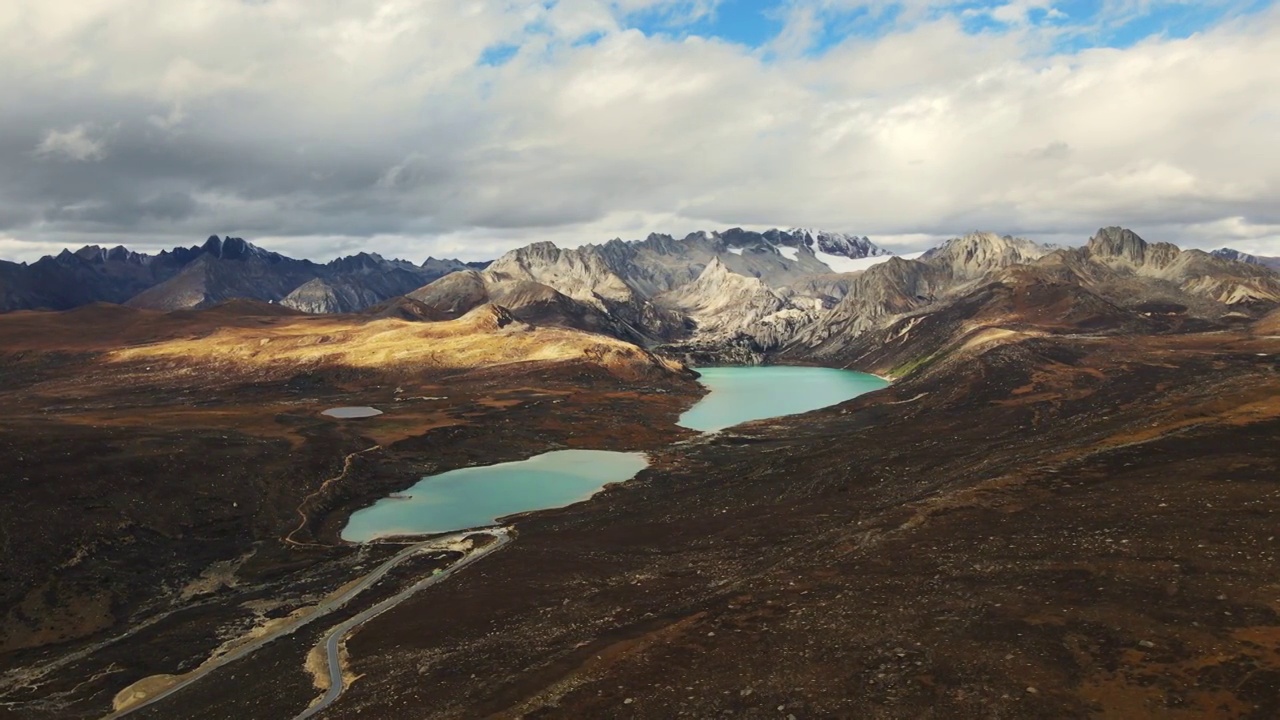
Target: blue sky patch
pixel 498 55
pixel 1075 24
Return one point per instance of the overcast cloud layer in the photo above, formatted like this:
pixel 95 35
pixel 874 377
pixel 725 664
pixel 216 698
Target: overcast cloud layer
pixel 466 127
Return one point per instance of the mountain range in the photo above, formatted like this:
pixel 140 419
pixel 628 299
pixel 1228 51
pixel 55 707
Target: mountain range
pixel 226 268
pixel 729 296
pixel 201 276
pixel 1059 416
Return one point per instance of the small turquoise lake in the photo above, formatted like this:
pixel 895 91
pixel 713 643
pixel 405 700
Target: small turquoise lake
pixel 477 496
pixel 740 394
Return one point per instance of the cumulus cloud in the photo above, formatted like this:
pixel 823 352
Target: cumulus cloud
pixel 323 128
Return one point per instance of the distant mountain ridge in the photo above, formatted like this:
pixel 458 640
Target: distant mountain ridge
pixel 230 267
pixel 220 269
pixel 1244 257
pixel 727 296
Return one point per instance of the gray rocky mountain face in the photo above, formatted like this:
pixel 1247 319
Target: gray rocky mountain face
pixel 1162 270
pixel 706 287
pixel 730 296
pixel 227 271
pixel 1117 281
pixel 900 287
pixel 617 279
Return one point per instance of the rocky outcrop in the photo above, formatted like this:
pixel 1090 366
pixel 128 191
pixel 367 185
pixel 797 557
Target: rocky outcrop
pixel 1119 247
pixel 722 304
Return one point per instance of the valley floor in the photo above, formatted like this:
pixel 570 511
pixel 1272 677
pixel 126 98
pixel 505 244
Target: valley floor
pixel 1048 527
pixel 1060 528
pixel 148 525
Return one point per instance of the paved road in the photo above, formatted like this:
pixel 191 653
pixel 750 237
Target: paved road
pixel 501 536
pixel 333 640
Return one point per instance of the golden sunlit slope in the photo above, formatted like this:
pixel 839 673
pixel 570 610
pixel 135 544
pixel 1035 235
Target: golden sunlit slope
pixel 485 337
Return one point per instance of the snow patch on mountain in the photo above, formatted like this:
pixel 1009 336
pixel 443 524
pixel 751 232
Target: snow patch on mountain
pixel 841 264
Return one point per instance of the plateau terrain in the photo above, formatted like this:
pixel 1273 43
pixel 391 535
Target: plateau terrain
pixel 1064 504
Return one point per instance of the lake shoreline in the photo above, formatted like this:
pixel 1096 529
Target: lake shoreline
pixel 473 496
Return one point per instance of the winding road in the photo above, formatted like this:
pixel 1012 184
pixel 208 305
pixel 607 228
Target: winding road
pixel 333 640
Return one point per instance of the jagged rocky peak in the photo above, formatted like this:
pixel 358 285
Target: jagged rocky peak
pixel 541 250
pixel 583 273
pixel 832 243
pixel 442 266
pixel 735 240
pixel 525 262
pixel 816 241
pixel 723 304
pixel 666 243
pixel 119 253
pixel 234 248
pixel 373 262
pixel 717 270
pixel 1119 243
pixel 357 262
pixel 980 252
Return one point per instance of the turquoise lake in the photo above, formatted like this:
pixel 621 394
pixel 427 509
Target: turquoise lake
pixel 477 496
pixel 739 394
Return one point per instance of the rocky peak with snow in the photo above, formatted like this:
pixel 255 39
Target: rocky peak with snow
pixel 1247 258
pixel 832 243
pixel 1235 256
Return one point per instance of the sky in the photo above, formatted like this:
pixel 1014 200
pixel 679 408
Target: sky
pixel 463 128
